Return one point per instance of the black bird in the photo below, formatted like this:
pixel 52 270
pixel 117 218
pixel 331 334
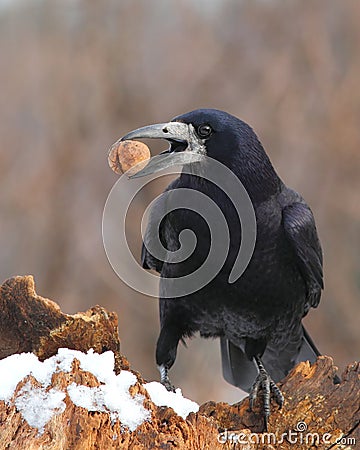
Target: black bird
pixel 258 317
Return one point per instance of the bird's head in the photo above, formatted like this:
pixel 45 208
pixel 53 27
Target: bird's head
pixel 212 133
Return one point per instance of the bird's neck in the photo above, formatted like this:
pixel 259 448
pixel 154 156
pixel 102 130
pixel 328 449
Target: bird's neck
pixel 257 175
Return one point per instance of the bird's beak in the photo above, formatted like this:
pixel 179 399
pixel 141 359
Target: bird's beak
pixel 185 147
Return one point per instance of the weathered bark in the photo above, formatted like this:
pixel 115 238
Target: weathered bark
pixel 30 323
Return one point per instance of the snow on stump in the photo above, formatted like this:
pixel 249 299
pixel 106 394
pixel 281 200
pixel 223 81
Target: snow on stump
pixel 65 385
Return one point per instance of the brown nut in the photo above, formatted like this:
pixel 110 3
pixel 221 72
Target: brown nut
pixel 124 155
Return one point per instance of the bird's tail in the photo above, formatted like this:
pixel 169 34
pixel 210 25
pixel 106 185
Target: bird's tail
pixel 308 350
pixel 237 368
pixel 239 371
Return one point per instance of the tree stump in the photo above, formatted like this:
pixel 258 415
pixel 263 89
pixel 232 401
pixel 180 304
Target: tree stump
pixel 316 413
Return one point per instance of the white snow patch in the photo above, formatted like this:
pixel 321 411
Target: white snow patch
pixel 113 397
pixel 13 369
pixel 37 406
pixel 162 397
pixel 100 365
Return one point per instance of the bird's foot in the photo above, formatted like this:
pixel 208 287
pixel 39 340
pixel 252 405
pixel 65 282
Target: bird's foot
pixel 265 383
pixel 165 380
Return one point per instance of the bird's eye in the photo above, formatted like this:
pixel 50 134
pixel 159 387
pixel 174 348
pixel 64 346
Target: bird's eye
pixel 204 131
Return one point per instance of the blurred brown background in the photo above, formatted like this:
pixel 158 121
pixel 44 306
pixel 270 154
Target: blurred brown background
pixel 76 75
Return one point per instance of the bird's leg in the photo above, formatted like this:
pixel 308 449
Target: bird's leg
pixel 164 378
pixel 264 382
pixel 166 349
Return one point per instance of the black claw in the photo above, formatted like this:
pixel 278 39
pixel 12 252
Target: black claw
pixel 253 394
pixel 266 422
pixel 165 380
pixel 279 398
pixel 264 383
pixel 170 387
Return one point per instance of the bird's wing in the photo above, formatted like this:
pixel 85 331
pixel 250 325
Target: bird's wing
pixel 155 230
pixel 300 230
pixel 299 225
